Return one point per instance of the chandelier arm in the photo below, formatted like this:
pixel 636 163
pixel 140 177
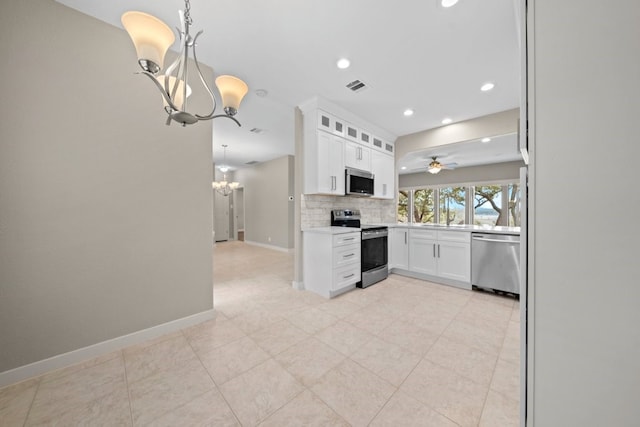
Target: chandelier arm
pixel 170 69
pixel 204 82
pixel 210 117
pixel 164 93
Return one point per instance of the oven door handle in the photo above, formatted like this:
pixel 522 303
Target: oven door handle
pixel 374 234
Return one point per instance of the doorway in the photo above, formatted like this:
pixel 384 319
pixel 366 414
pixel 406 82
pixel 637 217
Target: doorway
pixel 239 213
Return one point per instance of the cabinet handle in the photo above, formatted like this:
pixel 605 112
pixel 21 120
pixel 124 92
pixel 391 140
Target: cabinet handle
pixel 348 256
pixel 438 250
pixel 349 238
pixel 350 275
pixel 434 250
pixel 384 189
pixel 405 237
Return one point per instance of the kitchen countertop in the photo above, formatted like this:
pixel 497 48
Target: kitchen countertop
pixel 454 227
pixel 496 229
pixel 331 230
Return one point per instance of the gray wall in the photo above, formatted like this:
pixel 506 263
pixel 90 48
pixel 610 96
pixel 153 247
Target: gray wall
pixel 585 105
pixel 491 125
pixel 472 174
pixel 105 212
pixel 268 213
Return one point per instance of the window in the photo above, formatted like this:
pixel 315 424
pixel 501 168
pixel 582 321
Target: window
pixel 403 206
pixel 514 205
pixel 484 204
pixel 487 206
pixel 424 206
pixel 452 205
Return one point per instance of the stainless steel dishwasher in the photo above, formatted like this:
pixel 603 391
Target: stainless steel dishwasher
pixel 495 262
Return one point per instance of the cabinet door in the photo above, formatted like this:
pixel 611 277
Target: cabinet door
pixel 330 123
pixel 357 156
pixel 352 132
pixel 330 164
pixel 454 260
pixel 422 255
pixel 383 168
pixel 399 248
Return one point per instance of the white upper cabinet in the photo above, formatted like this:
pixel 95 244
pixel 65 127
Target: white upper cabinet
pixel 352 133
pixel 332 144
pixel 357 156
pixel 330 123
pixel 383 169
pixel 324 165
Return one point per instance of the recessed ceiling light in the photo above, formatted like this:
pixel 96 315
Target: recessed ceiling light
pixel 446 121
pixel 485 140
pixel 261 93
pixel 223 169
pixel 403 168
pixel 448 3
pixel 408 112
pixel 343 63
pixel 487 87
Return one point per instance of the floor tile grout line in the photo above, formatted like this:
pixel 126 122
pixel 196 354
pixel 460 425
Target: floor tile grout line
pixel 33 399
pixel 215 385
pixel 126 379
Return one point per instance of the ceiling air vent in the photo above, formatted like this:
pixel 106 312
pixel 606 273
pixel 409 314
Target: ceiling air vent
pixel 357 86
pixel 252 162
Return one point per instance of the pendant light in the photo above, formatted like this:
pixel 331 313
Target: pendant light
pixel 224 187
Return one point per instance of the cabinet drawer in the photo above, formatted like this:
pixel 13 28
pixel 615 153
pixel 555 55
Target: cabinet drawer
pixel 423 234
pixel 344 255
pixel 454 236
pixel 346 239
pixel 345 276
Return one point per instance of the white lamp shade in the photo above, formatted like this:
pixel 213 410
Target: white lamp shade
pixel 178 100
pixel 151 37
pixel 232 90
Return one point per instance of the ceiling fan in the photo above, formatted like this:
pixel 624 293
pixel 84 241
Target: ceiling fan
pixel 435 166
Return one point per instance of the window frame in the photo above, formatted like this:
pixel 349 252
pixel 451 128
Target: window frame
pixel 469 201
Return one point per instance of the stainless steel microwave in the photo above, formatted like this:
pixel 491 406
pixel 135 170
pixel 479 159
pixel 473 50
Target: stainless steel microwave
pixel 358 182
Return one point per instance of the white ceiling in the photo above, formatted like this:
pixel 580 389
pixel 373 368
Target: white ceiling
pixel 412 54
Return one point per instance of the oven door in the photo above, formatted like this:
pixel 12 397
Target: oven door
pixel 373 256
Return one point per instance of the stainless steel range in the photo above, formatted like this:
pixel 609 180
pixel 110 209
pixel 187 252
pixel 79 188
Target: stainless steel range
pixel 373 246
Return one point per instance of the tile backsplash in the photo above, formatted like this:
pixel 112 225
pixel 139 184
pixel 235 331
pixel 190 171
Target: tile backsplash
pixel 316 210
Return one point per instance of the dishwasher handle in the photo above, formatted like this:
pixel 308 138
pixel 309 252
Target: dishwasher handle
pixel 484 239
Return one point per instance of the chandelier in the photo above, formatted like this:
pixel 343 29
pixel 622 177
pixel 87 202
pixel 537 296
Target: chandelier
pixel 224 187
pixel 152 38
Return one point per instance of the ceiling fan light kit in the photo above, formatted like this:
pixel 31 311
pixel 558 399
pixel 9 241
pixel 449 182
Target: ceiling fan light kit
pixel 434 167
pixel 152 38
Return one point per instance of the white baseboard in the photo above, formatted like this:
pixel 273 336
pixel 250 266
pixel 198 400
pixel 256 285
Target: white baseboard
pixel 82 354
pixel 275 248
pixel 299 286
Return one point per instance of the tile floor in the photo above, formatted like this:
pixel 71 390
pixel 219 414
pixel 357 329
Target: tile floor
pixel 400 353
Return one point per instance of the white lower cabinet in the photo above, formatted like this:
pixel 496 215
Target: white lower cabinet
pixel 454 260
pixel 422 252
pixel 331 262
pixel 398 241
pixel 441 254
